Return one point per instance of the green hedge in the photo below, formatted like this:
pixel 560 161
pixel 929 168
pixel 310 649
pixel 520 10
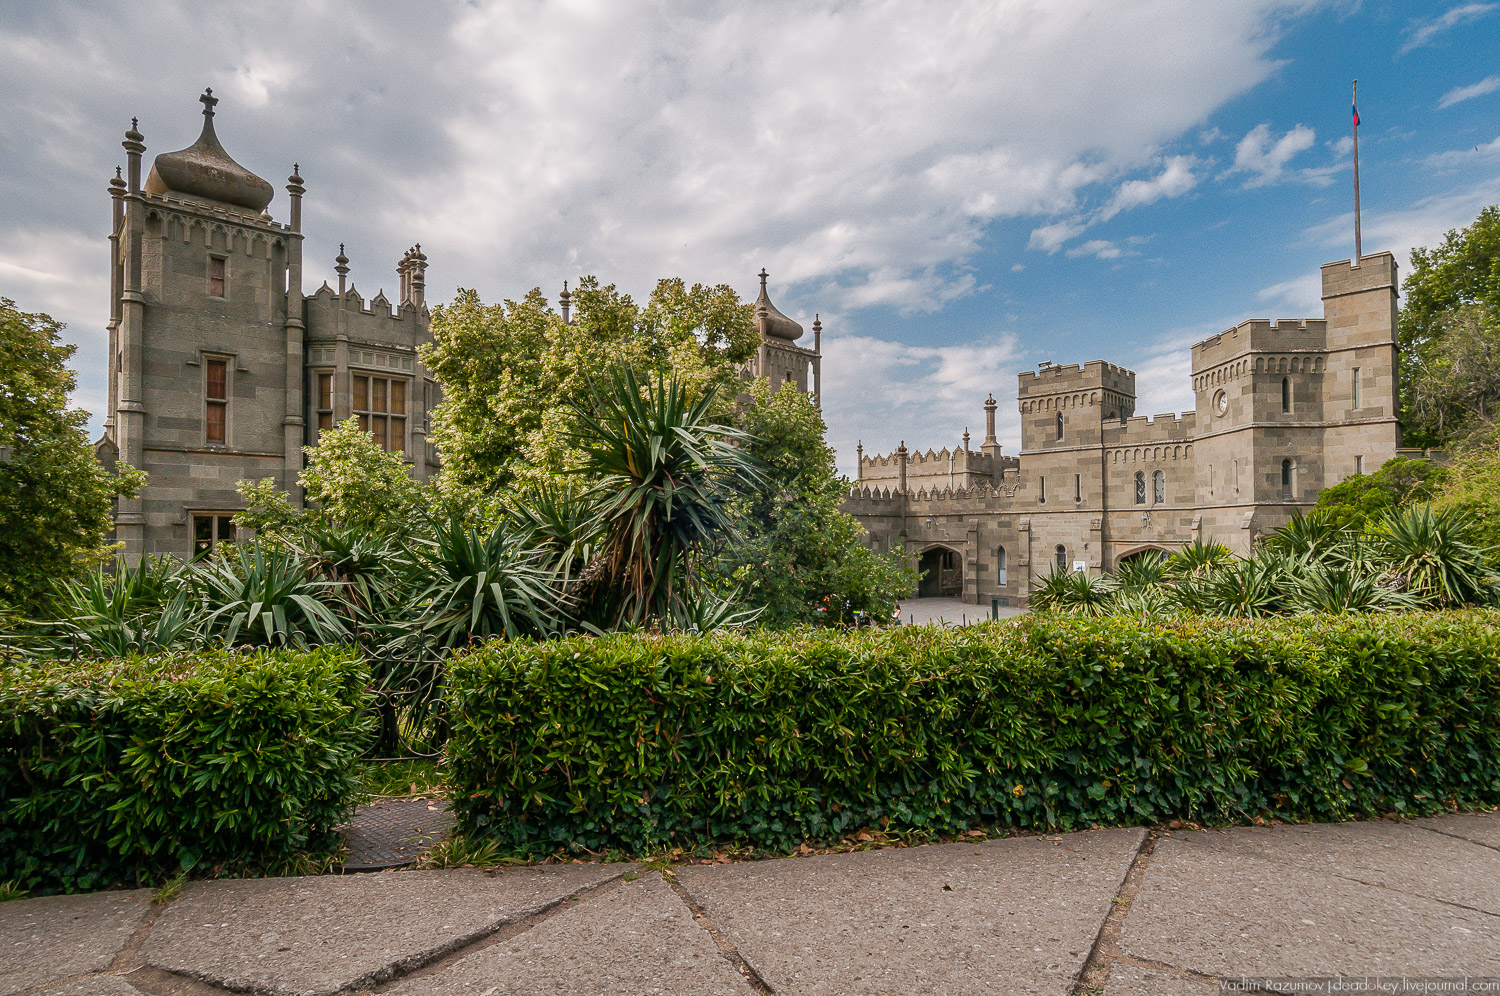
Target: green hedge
pixel 637 742
pixel 126 771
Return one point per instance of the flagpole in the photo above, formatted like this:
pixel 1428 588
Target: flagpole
pixel 1357 252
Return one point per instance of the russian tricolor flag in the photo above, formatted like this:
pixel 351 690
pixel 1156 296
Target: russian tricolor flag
pixel 1356 115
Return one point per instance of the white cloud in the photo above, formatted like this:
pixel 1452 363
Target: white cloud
pixel 1265 157
pixel 1102 248
pixel 1422 224
pixel 1421 33
pixel 1304 295
pixel 1463 157
pixel 1175 179
pixel 1459 94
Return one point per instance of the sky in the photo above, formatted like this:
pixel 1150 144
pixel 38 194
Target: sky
pixel 961 190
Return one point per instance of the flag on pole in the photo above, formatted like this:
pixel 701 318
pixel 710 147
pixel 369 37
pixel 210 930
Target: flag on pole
pixel 1356 115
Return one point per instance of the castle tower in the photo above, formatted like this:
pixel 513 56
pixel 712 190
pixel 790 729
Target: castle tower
pixel 779 359
pixel 1360 393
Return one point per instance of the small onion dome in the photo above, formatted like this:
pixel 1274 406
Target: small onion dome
pixel 117 183
pixel 134 134
pixel 769 321
pixel 205 170
pixel 295 180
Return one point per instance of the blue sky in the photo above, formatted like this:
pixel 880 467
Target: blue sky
pixel 961 189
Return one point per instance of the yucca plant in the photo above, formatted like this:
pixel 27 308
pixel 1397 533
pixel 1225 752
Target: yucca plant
pixel 374 580
pixel 1436 556
pixel 265 597
pixel 1078 593
pixel 1315 539
pixel 1341 589
pixel 665 473
pixel 556 520
pixel 140 608
pixel 1152 600
pixel 1237 587
pixel 1197 559
pixel 1144 571
pixel 484 583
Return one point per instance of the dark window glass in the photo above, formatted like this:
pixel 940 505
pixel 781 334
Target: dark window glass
pixel 1286 394
pixel 1159 487
pixel 1140 487
pixel 1062 556
pixel 216 276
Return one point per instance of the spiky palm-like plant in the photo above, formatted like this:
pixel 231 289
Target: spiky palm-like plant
pixel 1237 587
pixel 1078 593
pixel 140 608
pixel 1197 559
pixel 1436 556
pixel 1342 589
pixel 1314 539
pixel 265 597
pixel 556 520
pixel 1143 571
pixel 484 583
pixel 666 473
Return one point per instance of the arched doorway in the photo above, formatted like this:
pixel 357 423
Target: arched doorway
pixel 1143 553
pixel 942 573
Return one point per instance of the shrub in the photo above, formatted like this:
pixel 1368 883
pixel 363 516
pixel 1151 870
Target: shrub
pixel 641 742
pixel 125 771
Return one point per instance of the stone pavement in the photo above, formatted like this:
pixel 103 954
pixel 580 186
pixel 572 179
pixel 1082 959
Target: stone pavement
pixel 1118 912
pixel 949 612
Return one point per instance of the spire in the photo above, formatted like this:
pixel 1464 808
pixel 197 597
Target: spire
pixel 341 267
pixel 966 439
pixel 134 144
pixel 565 301
pixel 763 275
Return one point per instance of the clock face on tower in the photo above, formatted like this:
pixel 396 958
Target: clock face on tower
pixel 1220 403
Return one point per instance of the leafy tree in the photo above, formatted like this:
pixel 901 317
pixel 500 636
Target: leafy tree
pixel 55 497
pixel 1362 497
pixel 1453 289
pixel 1471 483
pixel 513 373
pixel 800 553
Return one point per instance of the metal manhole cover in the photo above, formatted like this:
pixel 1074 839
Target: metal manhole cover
pixel 394 832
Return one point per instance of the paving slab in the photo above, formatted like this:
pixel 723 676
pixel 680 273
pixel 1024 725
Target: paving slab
pixel 1018 915
pixel 314 936
pixel 97 985
pixel 1395 855
pixel 57 937
pixel 639 938
pixel 1226 914
pixel 1481 828
pixel 1135 980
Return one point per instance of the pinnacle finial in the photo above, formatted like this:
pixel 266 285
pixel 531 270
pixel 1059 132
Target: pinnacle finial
pixel 117 174
pixel 208 100
pixel 341 259
pixel 763 275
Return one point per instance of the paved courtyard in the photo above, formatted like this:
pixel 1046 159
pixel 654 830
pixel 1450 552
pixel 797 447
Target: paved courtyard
pixel 1121 912
pixel 949 612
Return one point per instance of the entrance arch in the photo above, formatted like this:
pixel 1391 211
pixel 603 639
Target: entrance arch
pixel 1141 553
pixel 942 573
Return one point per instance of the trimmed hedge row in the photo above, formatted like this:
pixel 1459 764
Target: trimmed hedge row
pixel 125 771
pixel 638 742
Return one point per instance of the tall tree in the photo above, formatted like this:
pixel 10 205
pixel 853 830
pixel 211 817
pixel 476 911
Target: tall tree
pixel 55 497
pixel 1449 330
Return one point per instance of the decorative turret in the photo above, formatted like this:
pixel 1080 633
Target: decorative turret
pixel 565 301
pixel 205 170
pixel 341 267
pixel 772 323
pixel 295 190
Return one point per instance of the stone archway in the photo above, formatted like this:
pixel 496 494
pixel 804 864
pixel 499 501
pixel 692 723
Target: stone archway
pixel 942 573
pixel 1141 553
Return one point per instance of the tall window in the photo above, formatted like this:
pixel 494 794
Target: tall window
pixel 1061 553
pixel 1059 425
pixel 1158 487
pixel 1000 566
pixel 1041 495
pixel 216 400
pixel 1286 394
pixel 380 403
pixel 1078 487
pixel 1286 478
pixel 1359 465
pixel 1140 487
pixel 216 276
pixel 210 529
pixel 325 402
pixel 1356 388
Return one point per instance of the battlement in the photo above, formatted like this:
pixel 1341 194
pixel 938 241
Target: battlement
pixel 1164 428
pixel 167 203
pixel 1073 377
pixel 1261 335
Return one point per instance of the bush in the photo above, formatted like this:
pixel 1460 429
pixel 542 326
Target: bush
pixel 125 771
pixel 641 742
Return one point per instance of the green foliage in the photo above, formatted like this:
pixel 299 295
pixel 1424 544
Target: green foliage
pixel 354 482
pixel 513 373
pixel 1356 500
pixel 268 512
pixel 643 742
pixel 1197 559
pixel 55 497
pixel 1078 592
pixel 1471 482
pixel 800 555
pixel 128 771
pixel 1437 556
pixel 1449 336
pixel 664 471
pixel 144 609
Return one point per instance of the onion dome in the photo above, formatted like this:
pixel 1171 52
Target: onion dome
pixel 771 322
pixel 205 170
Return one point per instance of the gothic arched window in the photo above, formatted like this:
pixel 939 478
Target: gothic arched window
pixel 1158 487
pixel 1286 478
pixel 1000 566
pixel 1140 487
pixel 1059 425
pixel 1286 394
pixel 1062 557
